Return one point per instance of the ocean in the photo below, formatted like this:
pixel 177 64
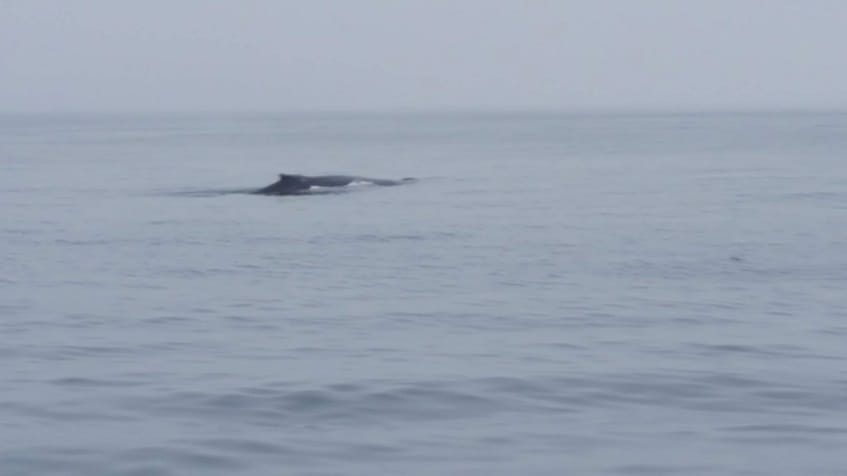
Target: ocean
pixel 593 294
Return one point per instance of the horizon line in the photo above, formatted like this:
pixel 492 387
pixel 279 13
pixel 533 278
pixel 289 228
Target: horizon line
pixel 635 111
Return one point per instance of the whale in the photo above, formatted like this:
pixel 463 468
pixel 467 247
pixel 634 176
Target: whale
pixel 294 184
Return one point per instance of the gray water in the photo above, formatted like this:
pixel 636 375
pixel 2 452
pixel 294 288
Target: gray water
pixel 558 294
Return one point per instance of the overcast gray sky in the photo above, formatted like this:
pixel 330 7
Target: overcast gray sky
pixel 92 55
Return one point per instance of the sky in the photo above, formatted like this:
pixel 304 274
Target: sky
pixel 389 55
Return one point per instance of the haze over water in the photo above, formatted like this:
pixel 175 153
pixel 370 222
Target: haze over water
pixel 611 294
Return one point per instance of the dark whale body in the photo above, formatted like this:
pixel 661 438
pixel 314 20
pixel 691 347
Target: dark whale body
pixel 289 184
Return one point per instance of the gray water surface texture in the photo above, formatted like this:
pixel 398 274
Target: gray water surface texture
pixel 583 294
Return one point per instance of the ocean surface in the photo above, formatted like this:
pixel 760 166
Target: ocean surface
pixel 595 294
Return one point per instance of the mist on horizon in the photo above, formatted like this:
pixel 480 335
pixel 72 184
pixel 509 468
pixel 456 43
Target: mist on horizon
pixel 261 55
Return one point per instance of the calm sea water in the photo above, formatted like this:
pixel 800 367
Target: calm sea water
pixel 575 294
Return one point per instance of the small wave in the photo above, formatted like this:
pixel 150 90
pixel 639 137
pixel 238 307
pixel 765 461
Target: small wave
pixel 274 404
pixel 209 192
pixel 213 193
pixel 312 190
